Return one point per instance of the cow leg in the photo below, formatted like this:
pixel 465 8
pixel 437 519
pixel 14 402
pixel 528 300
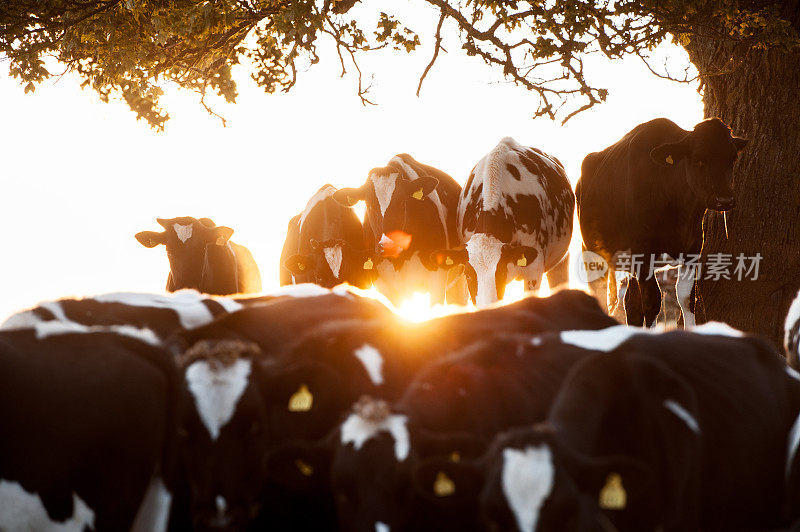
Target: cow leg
pixel 598 287
pixel 631 299
pixel 651 299
pixel 684 289
pixel 558 275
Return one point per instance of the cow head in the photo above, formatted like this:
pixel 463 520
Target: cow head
pixel 706 156
pixel 222 423
pixel 331 263
pixel 392 195
pixel 488 263
pixel 534 483
pixel 186 239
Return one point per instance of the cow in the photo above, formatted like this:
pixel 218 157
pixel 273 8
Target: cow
pixel 646 195
pixel 277 325
pixel 410 213
pixel 202 257
pixel 162 314
pixel 325 245
pixel 88 426
pixel 648 432
pixel 514 221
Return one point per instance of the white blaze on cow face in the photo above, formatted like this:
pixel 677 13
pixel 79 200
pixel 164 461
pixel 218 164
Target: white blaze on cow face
pixel 216 391
pixel 184 232
pixel 484 253
pixel 373 362
pixel 357 430
pixel 20 510
pixel 527 482
pixel 384 186
pixel 333 255
pixel 682 413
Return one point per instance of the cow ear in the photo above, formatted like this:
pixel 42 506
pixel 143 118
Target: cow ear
pixel 208 222
pixel 670 153
pixel 740 143
pixel 446 482
pixel 422 186
pixel 349 196
pixel 520 256
pixel 151 239
pixel 164 222
pixel 298 264
pixel 222 234
pixel 298 466
pixel 448 258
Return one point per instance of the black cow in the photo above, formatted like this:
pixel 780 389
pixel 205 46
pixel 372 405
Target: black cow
pixel 410 213
pixel 87 421
pixel 673 431
pixel 161 314
pixel 202 257
pixel 325 245
pixel 224 436
pixel 646 195
pixel 515 221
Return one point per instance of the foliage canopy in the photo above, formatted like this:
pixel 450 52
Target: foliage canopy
pixel 130 48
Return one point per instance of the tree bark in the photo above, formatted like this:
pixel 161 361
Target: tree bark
pixel 759 97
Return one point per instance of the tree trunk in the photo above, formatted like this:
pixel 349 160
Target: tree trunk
pixel 759 97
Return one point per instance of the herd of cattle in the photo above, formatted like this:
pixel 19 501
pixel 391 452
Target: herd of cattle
pixel 317 408
pixel 644 195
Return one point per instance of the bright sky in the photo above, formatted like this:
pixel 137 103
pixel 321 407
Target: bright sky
pixel 81 177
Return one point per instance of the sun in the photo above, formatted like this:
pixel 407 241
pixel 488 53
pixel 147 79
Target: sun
pixel 418 307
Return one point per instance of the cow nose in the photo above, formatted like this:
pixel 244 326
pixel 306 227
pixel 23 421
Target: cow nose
pixel 724 203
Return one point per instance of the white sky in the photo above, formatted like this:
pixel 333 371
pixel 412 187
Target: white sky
pixel 81 177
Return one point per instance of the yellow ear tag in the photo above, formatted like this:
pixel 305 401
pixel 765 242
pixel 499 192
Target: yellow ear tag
pixel 448 261
pixel 220 241
pixel 301 266
pixel 301 400
pixel 418 194
pixel 305 469
pixel 613 496
pixel 522 261
pixel 443 486
pixel 669 160
pixel 368 264
pixel 455 456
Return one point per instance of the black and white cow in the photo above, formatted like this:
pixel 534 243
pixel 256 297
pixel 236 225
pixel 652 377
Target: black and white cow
pixel 202 257
pixel 515 221
pixel 410 213
pixel 672 431
pixel 162 314
pixel 87 425
pixel 325 245
pixel 277 325
pixel 646 195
